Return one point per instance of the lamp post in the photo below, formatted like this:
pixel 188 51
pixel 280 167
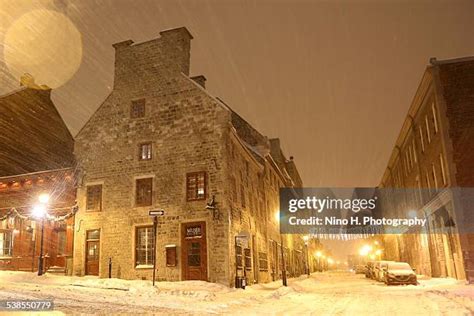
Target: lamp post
pixel 318 255
pixel 306 241
pixel 283 271
pixel 39 212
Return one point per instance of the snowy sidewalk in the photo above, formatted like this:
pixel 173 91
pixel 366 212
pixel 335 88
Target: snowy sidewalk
pixel 336 293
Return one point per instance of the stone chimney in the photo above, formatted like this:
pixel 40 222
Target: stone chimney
pixel 152 62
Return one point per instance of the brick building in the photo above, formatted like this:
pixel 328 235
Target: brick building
pixel 36 157
pixel 434 152
pixel 161 141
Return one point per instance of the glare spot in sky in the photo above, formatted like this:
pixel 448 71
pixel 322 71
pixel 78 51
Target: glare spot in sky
pixel 45 44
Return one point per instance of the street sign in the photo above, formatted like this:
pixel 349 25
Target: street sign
pixel 156 213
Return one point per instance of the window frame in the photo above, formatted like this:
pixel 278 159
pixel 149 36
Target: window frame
pixel 4 232
pixel 135 114
pixel 145 203
pixel 90 186
pixel 137 244
pixel 196 175
pixel 140 151
pixel 62 243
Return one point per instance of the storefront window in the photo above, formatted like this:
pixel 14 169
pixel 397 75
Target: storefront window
pixel 6 243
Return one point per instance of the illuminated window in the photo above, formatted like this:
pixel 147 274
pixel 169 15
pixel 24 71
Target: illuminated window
pixel 145 151
pixel 196 186
pixel 6 243
pixel 422 140
pixel 443 172
pixel 435 120
pixel 428 133
pixel 144 246
pixel 435 179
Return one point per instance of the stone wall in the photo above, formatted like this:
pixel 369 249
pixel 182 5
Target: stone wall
pixel 190 131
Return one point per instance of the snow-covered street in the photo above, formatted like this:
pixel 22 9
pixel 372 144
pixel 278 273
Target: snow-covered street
pixel 334 293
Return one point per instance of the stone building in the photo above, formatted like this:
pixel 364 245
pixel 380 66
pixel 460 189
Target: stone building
pixel 161 141
pixel 36 158
pixel 434 156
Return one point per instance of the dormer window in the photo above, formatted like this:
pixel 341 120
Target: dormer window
pixel 137 109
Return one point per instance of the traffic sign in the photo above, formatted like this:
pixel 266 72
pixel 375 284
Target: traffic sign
pixel 156 213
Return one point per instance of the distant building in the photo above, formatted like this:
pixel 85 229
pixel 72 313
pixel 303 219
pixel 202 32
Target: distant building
pixel 36 157
pixel 435 151
pixel 161 141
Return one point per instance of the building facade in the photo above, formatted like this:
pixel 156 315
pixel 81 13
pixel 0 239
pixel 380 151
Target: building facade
pixel 161 141
pixel 433 155
pixel 36 158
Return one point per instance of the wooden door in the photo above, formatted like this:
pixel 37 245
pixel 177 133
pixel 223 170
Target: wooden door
pixel 194 251
pixel 92 252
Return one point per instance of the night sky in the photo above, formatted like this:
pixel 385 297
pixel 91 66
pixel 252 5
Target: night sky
pixel 333 80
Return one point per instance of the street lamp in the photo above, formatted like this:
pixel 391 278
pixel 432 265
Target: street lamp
pixel 365 250
pixel 378 252
pixel 306 241
pixel 39 212
pixel 318 255
pixel 283 271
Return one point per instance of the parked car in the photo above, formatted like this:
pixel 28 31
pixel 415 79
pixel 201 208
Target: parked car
pixel 378 270
pixel 399 273
pixel 359 269
pixel 369 270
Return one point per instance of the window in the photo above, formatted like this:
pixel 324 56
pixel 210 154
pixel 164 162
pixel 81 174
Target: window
pixel 171 256
pixel 238 256
pixel 428 183
pixel 93 234
pixel 144 246
pixel 414 151
pixel 443 173
pixel 94 198
pixel 196 186
pixel 144 189
pixel 6 243
pixel 428 133
pixel 145 151
pixel 422 140
pixel 242 195
pixel 137 109
pixel 61 242
pixel 262 261
pixel 435 120
pixel 248 259
pixel 435 179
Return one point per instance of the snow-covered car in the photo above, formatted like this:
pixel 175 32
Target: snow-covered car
pixel 399 273
pixel 378 270
pixel 359 269
pixel 369 270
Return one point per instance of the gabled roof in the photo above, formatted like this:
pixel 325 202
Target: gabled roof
pixel 33 135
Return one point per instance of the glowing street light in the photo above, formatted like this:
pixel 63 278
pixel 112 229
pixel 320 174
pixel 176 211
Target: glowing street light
pixel 40 212
pixel 365 250
pixel 43 198
pixel 318 254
